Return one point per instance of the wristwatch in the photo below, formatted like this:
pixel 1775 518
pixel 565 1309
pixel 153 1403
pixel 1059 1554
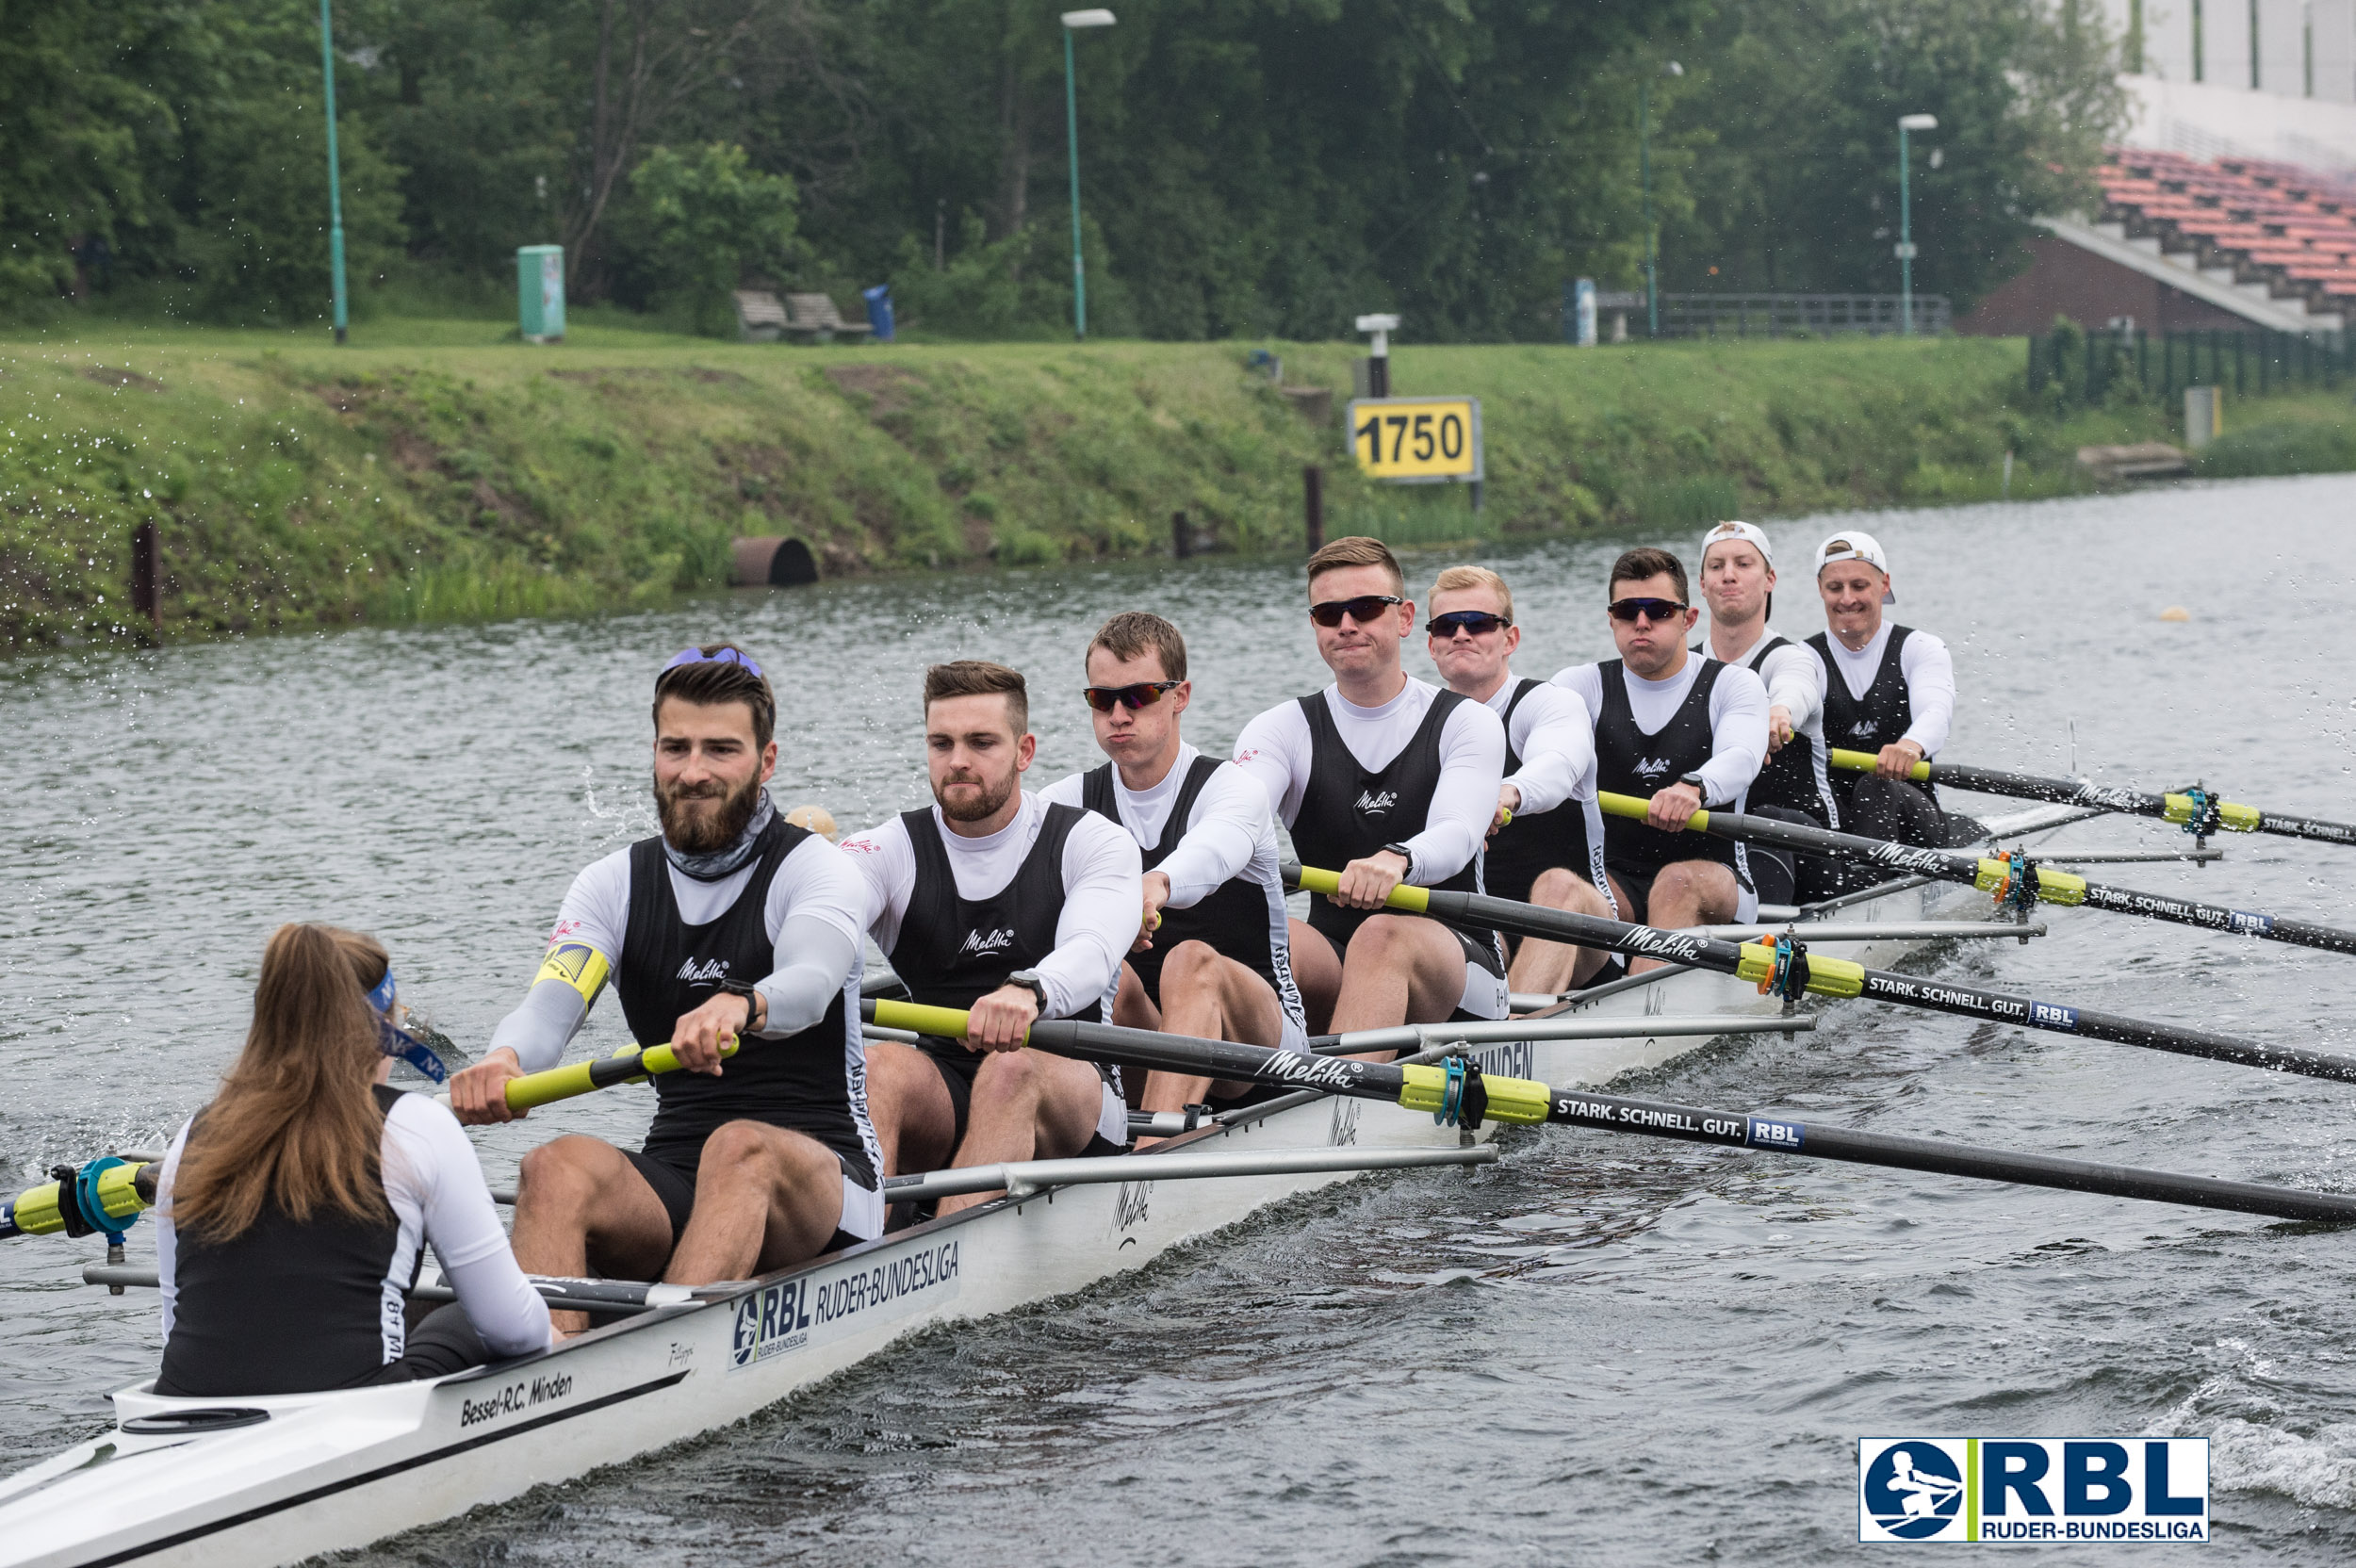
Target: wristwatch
pixel 1028 979
pixel 749 992
pixel 1700 785
pixel 1404 853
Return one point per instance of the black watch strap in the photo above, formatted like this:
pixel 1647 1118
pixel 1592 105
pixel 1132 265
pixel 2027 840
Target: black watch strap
pixel 751 995
pixel 1028 979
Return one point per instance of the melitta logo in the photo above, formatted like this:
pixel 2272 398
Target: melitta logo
pixel 986 941
pixel 1372 805
pixel 1653 767
pixel 705 973
pixel 2015 1489
pixel 1865 729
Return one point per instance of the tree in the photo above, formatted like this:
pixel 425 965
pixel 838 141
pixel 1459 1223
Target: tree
pixel 707 218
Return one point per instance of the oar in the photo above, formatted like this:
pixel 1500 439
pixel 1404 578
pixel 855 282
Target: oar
pixel 1787 969
pixel 2194 809
pixel 2016 882
pixel 626 1066
pixel 1461 1093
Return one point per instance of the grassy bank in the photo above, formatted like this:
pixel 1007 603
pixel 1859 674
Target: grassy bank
pixel 433 471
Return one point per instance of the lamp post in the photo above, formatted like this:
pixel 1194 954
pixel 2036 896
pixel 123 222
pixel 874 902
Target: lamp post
pixel 1072 23
pixel 1643 163
pixel 335 186
pixel 1905 220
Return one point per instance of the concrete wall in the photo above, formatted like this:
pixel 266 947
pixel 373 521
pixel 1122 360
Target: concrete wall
pixel 2063 280
pixel 2211 122
pixel 2335 50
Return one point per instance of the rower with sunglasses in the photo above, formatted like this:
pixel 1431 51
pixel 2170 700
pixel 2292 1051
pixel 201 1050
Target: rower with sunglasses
pixel 1686 731
pixel 1547 845
pixel 731 921
pixel 1212 957
pixel 1384 779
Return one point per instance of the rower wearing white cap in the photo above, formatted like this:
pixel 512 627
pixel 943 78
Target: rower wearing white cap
pixel 1889 690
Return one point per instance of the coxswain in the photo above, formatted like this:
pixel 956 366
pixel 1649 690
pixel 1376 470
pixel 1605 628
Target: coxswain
pixel 1890 691
pixel 1383 779
pixel 731 924
pixel 994 901
pixel 1212 957
pixel 291 1213
pixel 1737 582
pixel 1546 843
pixel 1683 729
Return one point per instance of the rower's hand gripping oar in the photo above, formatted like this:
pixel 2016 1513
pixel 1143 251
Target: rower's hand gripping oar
pixel 2195 810
pixel 2016 882
pixel 1461 1093
pixel 633 1064
pixel 1786 968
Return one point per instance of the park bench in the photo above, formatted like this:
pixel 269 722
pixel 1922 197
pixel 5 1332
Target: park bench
pixel 811 318
pixel 759 316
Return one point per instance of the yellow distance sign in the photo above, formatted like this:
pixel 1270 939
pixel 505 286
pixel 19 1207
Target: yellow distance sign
pixel 1417 440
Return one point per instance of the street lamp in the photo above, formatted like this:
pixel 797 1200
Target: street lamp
pixel 1072 23
pixel 1905 221
pixel 1644 156
pixel 335 190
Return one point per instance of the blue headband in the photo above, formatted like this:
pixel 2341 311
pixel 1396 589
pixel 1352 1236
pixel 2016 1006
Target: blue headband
pixel 697 656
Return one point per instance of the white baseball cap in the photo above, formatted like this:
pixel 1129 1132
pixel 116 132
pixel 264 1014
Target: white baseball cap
pixel 1749 533
pixel 1853 545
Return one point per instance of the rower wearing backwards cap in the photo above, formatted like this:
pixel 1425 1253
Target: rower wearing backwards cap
pixel 993 901
pixel 1212 957
pixel 1890 690
pixel 1686 731
pixel 1383 779
pixel 733 922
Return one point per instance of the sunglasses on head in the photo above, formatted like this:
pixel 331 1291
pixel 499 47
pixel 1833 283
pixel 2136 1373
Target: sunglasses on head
pixel 1658 610
pixel 1479 623
pixel 1143 694
pixel 697 656
pixel 1365 607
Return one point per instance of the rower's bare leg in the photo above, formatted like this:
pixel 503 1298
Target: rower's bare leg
pixel 580 1206
pixel 1552 968
pixel 1688 892
pixel 1027 1106
pixel 1316 974
pixel 765 1197
pixel 915 1120
pixel 1401 969
pixel 1211 997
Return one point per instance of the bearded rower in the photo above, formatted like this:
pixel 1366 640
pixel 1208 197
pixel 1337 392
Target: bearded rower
pixel 997 902
pixel 1547 845
pixel 1738 580
pixel 1212 957
pixel 1889 690
pixel 1384 779
pixel 1685 730
pixel 731 922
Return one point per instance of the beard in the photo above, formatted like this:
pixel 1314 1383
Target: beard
pixel 975 808
pixel 700 832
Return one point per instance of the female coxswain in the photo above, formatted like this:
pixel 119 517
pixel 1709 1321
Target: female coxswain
pixel 292 1211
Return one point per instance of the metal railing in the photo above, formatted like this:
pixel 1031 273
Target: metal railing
pixel 2086 367
pixel 1782 314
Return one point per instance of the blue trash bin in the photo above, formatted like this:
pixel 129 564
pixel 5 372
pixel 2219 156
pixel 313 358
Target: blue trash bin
pixel 878 312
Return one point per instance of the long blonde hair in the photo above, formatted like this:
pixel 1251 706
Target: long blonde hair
pixel 295 1125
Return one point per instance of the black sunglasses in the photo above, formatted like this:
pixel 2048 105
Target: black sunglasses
pixel 1479 622
pixel 1143 694
pixel 1365 607
pixel 1658 610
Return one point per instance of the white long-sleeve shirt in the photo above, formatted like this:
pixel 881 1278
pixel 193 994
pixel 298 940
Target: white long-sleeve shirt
pixel 1738 718
pixel 1229 833
pixel 1930 676
pixel 1102 893
pixel 1555 737
pixel 1277 749
pixel 1794 674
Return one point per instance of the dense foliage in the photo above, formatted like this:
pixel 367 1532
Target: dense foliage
pixel 1249 166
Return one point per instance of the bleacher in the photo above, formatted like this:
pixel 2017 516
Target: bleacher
pixel 2291 229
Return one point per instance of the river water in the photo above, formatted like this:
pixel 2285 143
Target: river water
pixel 1603 1349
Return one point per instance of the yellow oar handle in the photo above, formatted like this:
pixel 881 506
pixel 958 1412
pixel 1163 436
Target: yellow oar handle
pixel 578 1078
pixel 2241 819
pixel 1405 896
pixel 948 1023
pixel 1640 810
pixel 1865 761
pixel 2052 887
pixel 37 1211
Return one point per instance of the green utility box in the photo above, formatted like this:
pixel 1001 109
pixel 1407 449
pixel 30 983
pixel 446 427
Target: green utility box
pixel 540 292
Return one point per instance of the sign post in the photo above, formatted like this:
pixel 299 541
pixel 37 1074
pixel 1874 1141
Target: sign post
pixel 1419 441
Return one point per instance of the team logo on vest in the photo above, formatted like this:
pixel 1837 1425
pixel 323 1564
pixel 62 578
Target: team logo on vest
pixel 705 973
pixel 1372 805
pixel 977 942
pixel 1652 767
pixel 1865 727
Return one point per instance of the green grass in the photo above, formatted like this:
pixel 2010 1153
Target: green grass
pixel 438 469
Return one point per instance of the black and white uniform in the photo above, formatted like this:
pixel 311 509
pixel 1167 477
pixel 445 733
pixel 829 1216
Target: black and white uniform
pixel 1205 825
pixel 1056 892
pixel 1551 758
pixel 1900 686
pixel 1708 717
pixel 1794 785
pixel 1421 769
pixel 293 1307
pixel 788 921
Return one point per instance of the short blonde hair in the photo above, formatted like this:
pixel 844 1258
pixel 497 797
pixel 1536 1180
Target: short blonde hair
pixel 1358 549
pixel 1454 577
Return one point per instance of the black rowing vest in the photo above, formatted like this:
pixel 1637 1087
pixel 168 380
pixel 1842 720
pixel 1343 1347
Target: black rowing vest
pixel 814 1081
pixel 1570 836
pixel 1879 717
pixel 286 1307
pixel 1628 761
pixel 1239 919
pixel 952 951
pixel 1349 812
pixel 1794 778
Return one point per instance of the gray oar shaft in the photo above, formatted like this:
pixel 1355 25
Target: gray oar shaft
pixel 2139 803
pixel 1022 1178
pixel 1504 1030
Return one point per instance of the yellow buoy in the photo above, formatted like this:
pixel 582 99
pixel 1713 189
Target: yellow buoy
pixel 2176 613
pixel 817 818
